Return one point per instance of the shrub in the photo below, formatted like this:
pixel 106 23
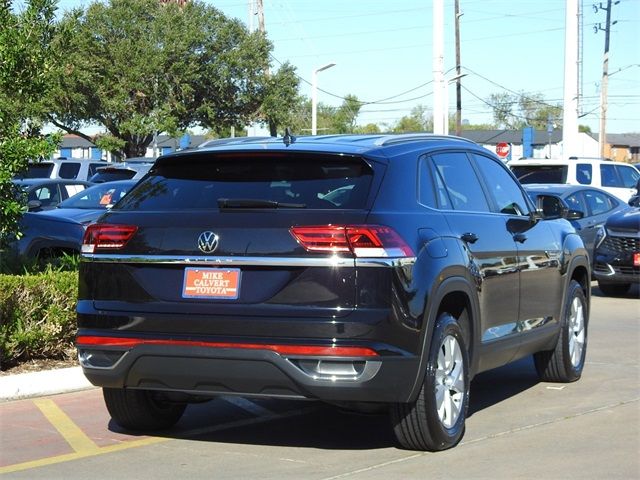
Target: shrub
pixel 37 316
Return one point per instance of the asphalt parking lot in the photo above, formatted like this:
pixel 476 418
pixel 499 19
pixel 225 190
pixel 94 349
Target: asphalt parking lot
pixel 518 428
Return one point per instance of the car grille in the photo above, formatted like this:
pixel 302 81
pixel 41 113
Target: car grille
pixel 622 244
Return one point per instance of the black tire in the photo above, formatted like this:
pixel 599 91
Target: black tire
pixel 141 410
pixel 419 425
pixel 614 289
pixel 565 362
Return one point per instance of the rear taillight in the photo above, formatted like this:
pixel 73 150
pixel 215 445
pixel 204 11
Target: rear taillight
pixel 360 240
pixel 99 236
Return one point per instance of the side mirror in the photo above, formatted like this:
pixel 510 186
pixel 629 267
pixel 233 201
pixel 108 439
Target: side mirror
pixel 572 214
pixel 549 206
pixel 34 205
pixel 635 200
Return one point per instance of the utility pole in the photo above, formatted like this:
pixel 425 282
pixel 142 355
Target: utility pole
pixel 602 135
pixel 571 145
pixel 458 73
pixel 440 122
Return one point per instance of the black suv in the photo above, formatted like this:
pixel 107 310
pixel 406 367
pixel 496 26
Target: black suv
pixel 617 256
pixel 365 271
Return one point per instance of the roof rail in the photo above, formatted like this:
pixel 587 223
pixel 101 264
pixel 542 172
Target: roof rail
pixel 416 137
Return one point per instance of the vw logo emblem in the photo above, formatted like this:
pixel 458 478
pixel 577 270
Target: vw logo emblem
pixel 207 242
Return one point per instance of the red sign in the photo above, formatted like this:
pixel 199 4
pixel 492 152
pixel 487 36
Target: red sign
pixel 211 283
pixel 503 149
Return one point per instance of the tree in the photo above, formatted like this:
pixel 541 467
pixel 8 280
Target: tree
pixel 138 67
pixel 516 111
pixel 280 99
pixel 345 116
pixel 28 61
pixel 418 120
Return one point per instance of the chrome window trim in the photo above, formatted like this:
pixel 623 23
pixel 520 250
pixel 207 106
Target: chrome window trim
pixel 250 261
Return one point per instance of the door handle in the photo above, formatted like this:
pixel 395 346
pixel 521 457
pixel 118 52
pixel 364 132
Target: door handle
pixel 469 237
pixel 520 237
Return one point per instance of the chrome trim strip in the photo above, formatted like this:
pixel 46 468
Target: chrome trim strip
pixel 252 261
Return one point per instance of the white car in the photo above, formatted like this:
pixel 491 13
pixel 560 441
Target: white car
pixel 619 179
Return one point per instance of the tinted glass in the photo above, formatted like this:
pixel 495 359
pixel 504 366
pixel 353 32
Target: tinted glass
pixel 112 175
pixel 540 173
pixel 506 192
pixel 577 202
pixel 202 182
pixel 599 202
pixel 463 189
pixel 99 196
pixel 46 194
pixel 609 177
pixel 426 187
pixel 629 176
pixel 584 173
pixel 93 168
pixel 69 170
pixel 39 170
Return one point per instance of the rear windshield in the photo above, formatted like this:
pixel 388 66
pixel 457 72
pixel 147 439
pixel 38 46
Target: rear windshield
pixel 247 182
pixel 112 175
pixel 39 170
pixel 540 173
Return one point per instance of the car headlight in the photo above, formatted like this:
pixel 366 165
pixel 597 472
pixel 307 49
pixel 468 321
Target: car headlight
pixel 601 234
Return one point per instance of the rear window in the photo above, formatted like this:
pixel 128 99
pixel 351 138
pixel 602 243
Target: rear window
pixel 288 181
pixel 39 170
pixel 69 170
pixel 540 173
pixel 112 175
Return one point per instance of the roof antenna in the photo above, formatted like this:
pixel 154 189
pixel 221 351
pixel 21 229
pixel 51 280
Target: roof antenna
pixel 288 139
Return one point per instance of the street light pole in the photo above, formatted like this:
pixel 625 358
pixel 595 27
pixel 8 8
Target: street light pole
pixel 314 96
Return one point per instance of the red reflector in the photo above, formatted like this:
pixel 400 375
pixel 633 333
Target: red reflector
pixel 100 236
pixel 361 240
pixel 311 350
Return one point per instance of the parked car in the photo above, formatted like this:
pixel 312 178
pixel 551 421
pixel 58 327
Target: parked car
pixel 45 194
pixel 618 179
pixel 227 271
pixel 586 208
pixel 122 171
pixel 54 232
pixel 617 257
pixel 70 169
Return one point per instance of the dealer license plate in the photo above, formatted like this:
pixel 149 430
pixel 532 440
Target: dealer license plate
pixel 212 283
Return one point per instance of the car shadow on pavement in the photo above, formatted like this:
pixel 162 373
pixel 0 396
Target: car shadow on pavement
pixel 316 425
pixel 495 386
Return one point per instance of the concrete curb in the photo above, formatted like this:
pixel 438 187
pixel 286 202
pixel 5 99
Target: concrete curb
pixel 46 382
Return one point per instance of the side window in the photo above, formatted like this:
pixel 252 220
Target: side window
pixel 584 173
pixel 93 168
pixel 47 194
pixel 425 184
pixel 629 175
pixel 459 181
pixel 599 202
pixel 69 170
pixel 576 202
pixel 609 177
pixel 505 190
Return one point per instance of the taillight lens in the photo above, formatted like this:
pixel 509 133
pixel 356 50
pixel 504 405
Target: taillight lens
pixel 100 236
pixel 360 240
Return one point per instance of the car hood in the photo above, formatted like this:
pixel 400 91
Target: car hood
pixel 626 220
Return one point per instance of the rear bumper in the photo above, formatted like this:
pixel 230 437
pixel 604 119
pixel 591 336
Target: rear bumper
pixel 209 371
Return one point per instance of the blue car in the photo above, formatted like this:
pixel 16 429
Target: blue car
pixel 586 208
pixel 51 233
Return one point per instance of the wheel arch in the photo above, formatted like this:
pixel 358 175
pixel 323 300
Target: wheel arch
pixel 455 295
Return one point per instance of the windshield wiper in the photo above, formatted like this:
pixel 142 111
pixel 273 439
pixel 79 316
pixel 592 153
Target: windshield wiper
pixel 253 203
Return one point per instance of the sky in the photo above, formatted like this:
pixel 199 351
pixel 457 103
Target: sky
pixel 383 53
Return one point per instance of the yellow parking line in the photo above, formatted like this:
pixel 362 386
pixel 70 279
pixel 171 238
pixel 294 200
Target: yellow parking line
pixel 78 455
pixel 96 450
pixel 74 436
